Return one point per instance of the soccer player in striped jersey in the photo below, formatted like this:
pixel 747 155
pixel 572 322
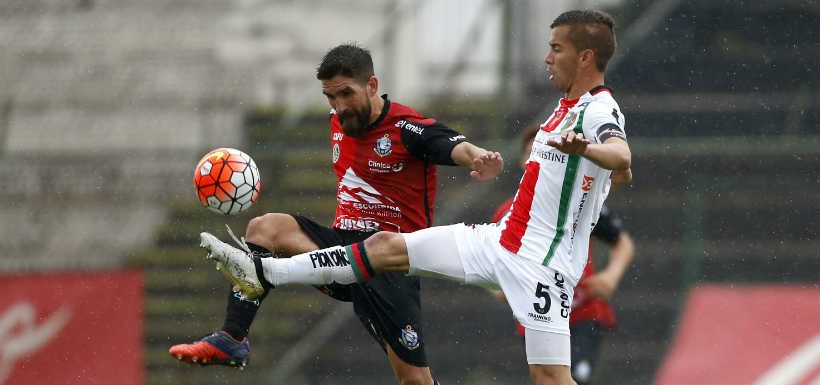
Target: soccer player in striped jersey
pixel 592 316
pixel 537 253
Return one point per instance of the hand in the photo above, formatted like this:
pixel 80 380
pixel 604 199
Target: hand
pixel 600 285
pixel 487 166
pixel 571 143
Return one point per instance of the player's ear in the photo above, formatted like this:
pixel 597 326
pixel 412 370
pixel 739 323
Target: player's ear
pixel 372 86
pixel 587 58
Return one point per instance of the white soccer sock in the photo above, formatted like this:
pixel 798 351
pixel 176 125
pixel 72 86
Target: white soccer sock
pixel 320 267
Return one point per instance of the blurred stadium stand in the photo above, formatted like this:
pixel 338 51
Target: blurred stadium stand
pixel 106 105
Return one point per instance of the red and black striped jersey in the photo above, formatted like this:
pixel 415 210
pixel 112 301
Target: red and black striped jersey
pixel 387 177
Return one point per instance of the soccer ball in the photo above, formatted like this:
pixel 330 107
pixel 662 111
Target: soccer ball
pixel 227 181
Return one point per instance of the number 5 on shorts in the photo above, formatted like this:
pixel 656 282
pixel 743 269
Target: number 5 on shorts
pixel 542 291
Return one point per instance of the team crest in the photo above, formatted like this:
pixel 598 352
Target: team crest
pixel 336 152
pixel 569 121
pixel 384 146
pixel 409 338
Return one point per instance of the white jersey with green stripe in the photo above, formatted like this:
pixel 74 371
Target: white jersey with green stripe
pixel 560 195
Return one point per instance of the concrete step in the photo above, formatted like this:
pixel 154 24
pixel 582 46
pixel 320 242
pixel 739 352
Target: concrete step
pixel 154 177
pixel 126 130
pixel 191 82
pixel 79 233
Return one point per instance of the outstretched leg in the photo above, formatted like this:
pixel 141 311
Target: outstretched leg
pixel 279 233
pixel 434 253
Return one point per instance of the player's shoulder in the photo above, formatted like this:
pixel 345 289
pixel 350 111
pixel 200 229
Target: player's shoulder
pixel 602 108
pixel 601 99
pixel 405 115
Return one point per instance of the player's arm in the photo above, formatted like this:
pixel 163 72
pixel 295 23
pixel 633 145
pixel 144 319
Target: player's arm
pixel 485 165
pixel 612 154
pixel 620 178
pixel 604 283
pixel 605 142
pixel 621 253
pixel 435 142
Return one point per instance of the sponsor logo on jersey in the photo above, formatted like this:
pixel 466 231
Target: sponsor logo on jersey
pixel 409 338
pixel 382 167
pixel 378 209
pixel 586 184
pixel 410 127
pixel 457 138
pixel 338 136
pixel 384 146
pixel 363 208
pixel 577 214
pixel 552 156
pixel 336 152
pixel 358 224
pixel 332 258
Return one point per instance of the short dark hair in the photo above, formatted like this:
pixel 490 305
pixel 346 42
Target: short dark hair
pixel 346 60
pixel 593 30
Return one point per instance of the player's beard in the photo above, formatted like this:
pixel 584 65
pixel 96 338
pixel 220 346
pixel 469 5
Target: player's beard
pixel 355 122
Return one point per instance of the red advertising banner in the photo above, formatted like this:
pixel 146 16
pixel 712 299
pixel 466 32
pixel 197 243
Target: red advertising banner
pixel 72 328
pixel 746 334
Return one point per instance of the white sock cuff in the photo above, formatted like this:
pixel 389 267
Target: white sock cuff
pixel 320 267
pixel 276 270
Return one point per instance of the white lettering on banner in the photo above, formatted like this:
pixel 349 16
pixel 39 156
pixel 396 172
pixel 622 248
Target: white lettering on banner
pixel 20 336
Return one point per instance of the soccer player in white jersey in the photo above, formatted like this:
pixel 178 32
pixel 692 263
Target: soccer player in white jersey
pixel 535 254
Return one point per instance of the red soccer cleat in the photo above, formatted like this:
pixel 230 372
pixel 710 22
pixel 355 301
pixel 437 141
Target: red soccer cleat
pixel 216 349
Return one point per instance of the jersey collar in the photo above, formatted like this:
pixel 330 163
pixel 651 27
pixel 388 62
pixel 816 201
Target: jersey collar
pixel 383 113
pixel 568 103
pixel 600 88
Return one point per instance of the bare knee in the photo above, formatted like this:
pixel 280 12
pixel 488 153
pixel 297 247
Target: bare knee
pixel 266 230
pixel 387 251
pixel 551 375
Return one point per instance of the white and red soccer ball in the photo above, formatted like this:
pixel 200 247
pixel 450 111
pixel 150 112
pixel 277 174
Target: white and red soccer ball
pixel 227 181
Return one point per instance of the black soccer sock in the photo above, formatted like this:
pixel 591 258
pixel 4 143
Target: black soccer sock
pixel 239 313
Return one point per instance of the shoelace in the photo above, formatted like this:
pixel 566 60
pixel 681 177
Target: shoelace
pixel 239 241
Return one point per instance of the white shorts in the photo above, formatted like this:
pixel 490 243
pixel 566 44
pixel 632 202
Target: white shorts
pixel 540 297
